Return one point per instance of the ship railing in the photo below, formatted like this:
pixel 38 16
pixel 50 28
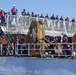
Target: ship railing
pixel 46 49
pixel 40 49
pixel 25 21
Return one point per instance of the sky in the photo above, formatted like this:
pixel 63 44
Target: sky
pixel 56 7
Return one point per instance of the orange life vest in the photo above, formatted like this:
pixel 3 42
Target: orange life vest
pixel 2 14
pixel 4 42
pixel 17 41
pixel 67 20
pixel 14 10
pixel 66 40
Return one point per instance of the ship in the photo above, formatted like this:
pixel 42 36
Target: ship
pixel 33 59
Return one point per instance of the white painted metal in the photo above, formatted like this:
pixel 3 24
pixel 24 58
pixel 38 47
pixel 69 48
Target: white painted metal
pixel 20 25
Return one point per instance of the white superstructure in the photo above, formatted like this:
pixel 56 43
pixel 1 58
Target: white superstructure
pixel 20 25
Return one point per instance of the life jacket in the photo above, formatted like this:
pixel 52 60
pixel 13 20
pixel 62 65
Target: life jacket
pixel 4 42
pixel 65 40
pixel 17 41
pixel 2 14
pixel 67 20
pixel 14 10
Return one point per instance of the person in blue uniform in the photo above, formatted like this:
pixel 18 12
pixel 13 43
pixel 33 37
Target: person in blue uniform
pixel 65 44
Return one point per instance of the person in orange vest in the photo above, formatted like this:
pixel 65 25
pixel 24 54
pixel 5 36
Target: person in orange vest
pixel 17 45
pixel 67 22
pixel 2 16
pixel 4 45
pixel 17 40
pixel 14 12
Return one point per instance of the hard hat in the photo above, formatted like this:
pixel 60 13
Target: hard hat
pixel 1 8
pixel 13 5
pixel 66 16
pixel 64 34
pixel 3 37
pixel 53 36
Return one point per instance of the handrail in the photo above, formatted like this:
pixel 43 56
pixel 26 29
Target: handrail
pixel 41 49
pixel 55 25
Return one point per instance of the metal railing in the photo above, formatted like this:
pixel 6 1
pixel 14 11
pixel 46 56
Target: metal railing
pixel 46 49
pixel 40 49
pixel 16 22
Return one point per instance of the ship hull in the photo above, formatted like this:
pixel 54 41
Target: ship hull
pixel 36 66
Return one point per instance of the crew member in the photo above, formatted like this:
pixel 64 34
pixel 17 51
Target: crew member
pixel 2 16
pixel 17 45
pixel 65 44
pixel 52 44
pixel 4 43
pixel 14 13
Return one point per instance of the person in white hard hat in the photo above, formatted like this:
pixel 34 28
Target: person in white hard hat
pixel 14 10
pixel 14 13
